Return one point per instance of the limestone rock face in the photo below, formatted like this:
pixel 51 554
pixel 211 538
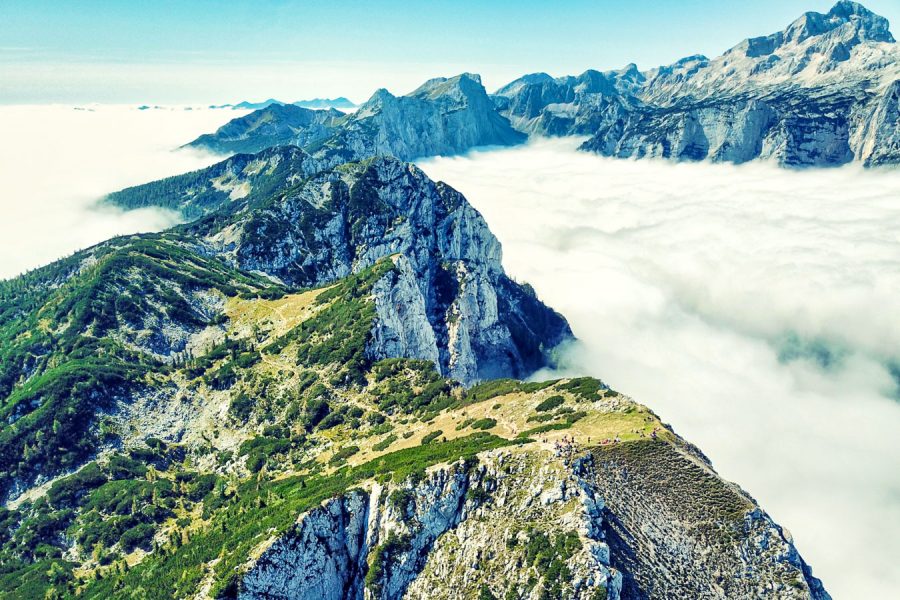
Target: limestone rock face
pixel 478 525
pixel 820 93
pixel 878 141
pixel 443 116
pixel 322 557
pixel 447 300
pixel 273 125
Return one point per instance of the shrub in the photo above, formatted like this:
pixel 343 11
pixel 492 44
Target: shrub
pixel 550 403
pixel 343 454
pixel 139 536
pixel 430 437
pixel 383 444
pixel 255 462
pixel 65 491
pixel 484 423
pixel 241 406
pixel 587 387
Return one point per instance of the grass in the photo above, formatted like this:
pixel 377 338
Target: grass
pixel 260 510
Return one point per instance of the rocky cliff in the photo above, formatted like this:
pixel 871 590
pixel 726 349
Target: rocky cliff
pixel 819 93
pixel 641 519
pixel 273 125
pixel 443 116
pixel 448 300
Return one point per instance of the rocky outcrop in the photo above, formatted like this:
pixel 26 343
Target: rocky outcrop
pixel 323 557
pixel 675 529
pixel 878 141
pixel 820 93
pixel 443 116
pixel 447 300
pixel 602 526
pixel 243 177
pixel 274 125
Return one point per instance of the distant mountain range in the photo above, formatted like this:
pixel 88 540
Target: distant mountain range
pixel 825 91
pixel 443 116
pixel 318 103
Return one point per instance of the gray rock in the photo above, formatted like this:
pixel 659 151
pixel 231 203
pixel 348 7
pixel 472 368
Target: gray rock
pixel 465 526
pixel 273 125
pixel 820 93
pixel 447 300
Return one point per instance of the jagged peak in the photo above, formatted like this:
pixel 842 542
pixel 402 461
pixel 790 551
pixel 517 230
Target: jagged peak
pixel 529 79
pixel 850 21
pixel 442 85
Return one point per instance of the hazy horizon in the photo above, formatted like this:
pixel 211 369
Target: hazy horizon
pixel 175 53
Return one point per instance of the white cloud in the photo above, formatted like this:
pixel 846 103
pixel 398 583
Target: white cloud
pixel 56 161
pixel 682 282
pixel 685 284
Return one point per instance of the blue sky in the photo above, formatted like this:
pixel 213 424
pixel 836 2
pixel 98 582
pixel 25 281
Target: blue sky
pixel 218 51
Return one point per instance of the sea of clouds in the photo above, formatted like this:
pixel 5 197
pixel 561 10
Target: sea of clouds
pixel 756 309
pixel 57 161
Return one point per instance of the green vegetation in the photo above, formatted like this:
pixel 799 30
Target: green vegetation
pixel 543 429
pixel 255 508
pixel 339 332
pixel 430 437
pixel 548 556
pixel 588 388
pixel 341 456
pixel 550 403
pixel 382 558
pixel 383 444
pixel 411 386
pixel 194 195
pixel 501 387
pixel 487 423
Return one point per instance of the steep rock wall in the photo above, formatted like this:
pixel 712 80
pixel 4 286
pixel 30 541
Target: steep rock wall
pixel 646 519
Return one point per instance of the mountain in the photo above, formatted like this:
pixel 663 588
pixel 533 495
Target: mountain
pixel 317 103
pixel 314 388
pixel 274 125
pixel 340 103
pixel 443 116
pixel 178 427
pixel 241 177
pixel 308 392
pixel 256 105
pixel 821 92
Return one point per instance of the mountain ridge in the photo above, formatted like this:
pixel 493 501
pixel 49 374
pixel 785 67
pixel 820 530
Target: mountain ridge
pixel 314 388
pixel 815 94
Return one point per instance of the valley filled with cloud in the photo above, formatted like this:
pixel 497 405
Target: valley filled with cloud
pixel 56 162
pixel 752 307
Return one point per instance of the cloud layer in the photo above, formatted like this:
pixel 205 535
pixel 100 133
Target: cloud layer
pixel 56 161
pixel 755 309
